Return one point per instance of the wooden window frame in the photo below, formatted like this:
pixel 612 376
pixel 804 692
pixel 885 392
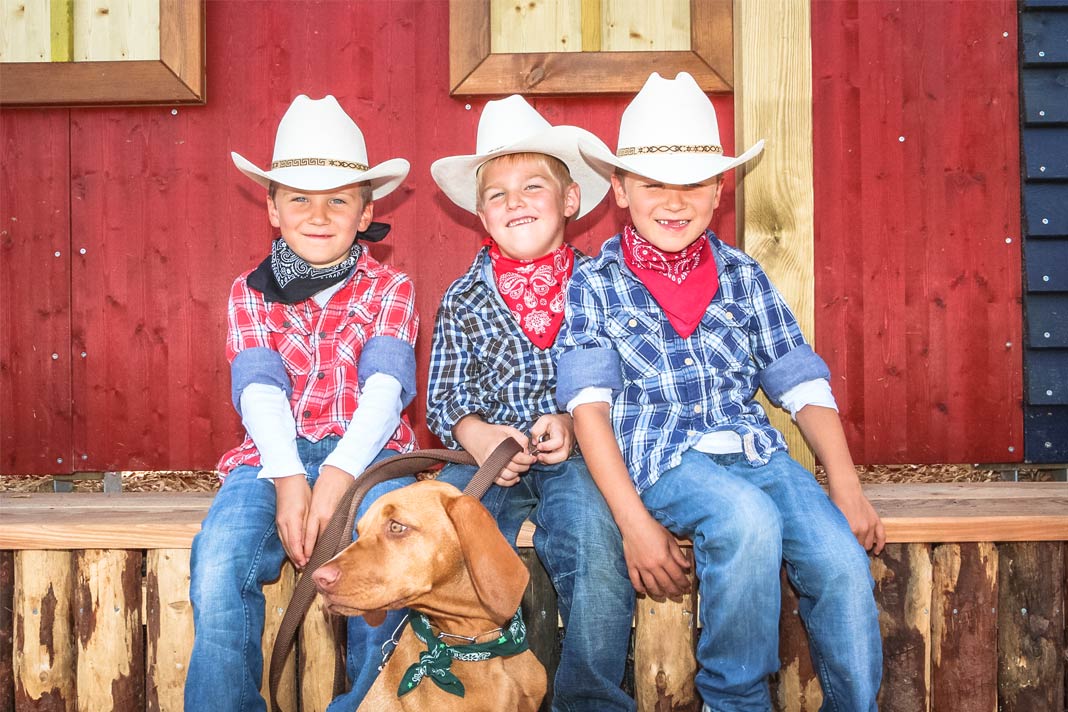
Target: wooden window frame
pixel 177 77
pixel 473 69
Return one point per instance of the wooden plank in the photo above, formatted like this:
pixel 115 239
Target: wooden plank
pixel 591 26
pixel 107 622
pixel 318 647
pixel 24 31
pixel 7 631
pixel 169 628
pixel 1047 320
pixel 650 27
pixel 964 628
pixel 276 597
pixel 35 411
pixel 44 631
pixel 1045 152
pixel 773 101
pixel 536 26
pixel 1031 599
pixel 1047 433
pixel 1045 97
pixel 665 634
pixel 542 620
pixel 1043 36
pixel 903 581
pixel 904 97
pixel 61 30
pixel 1046 210
pixel 795 687
pixel 1047 377
pixel 116 30
pixel 1047 264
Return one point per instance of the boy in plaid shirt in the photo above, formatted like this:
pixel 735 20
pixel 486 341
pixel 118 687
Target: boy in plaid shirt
pixel 668 335
pixel 492 377
pixel 320 343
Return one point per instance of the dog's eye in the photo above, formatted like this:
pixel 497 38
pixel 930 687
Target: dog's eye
pixel 396 527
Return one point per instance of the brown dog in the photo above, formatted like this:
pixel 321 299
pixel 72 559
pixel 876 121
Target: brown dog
pixel 430 548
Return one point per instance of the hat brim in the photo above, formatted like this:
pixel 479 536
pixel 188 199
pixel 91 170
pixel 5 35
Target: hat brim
pixel 455 175
pixel 671 168
pixel 383 178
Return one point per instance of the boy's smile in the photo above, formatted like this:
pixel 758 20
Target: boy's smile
pixel 524 208
pixel 669 216
pixel 320 225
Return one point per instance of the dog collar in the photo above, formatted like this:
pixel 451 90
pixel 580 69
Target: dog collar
pixel 438 658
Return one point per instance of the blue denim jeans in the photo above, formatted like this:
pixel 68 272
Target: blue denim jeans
pixel 743 522
pixel 579 544
pixel 235 553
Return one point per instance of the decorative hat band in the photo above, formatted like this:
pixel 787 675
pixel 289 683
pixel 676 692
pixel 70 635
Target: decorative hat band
pixel 330 162
pixel 633 150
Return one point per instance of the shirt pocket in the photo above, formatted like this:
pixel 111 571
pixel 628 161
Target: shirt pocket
pixel 499 359
pixel 639 339
pixel 354 329
pixel 725 337
pixel 292 339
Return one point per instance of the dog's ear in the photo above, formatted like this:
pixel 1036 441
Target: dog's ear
pixel 496 571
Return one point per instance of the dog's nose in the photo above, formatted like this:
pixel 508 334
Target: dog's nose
pixel 326 576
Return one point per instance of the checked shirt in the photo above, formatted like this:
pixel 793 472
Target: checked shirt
pixel 482 362
pixel 321 348
pixel 669 391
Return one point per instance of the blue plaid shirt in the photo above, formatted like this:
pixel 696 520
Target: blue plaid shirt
pixel 669 391
pixel 482 362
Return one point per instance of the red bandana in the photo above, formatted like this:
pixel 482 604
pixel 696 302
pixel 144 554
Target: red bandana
pixel 663 273
pixel 534 290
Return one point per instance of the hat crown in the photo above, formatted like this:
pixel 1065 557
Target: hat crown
pixel 318 128
pixel 669 112
pixel 507 121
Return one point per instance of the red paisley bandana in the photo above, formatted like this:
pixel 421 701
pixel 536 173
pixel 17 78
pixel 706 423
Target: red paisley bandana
pixel 534 290
pixel 663 274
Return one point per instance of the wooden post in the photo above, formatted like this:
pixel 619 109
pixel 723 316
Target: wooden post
pixel 1031 642
pixel 541 618
pixel 276 597
pixel 170 629
pixel 7 631
pixel 107 620
pixel 319 649
pixel 903 580
pixel 795 688
pixel 44 631
pixel 664 638
pixel 773 101
pixel 964 628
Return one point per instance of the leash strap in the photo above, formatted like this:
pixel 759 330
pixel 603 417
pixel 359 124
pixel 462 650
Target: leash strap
pixel 338 535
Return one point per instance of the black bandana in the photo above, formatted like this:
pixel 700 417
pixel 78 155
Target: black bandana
pixel 284 276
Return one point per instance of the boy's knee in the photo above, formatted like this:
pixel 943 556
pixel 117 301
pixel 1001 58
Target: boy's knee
pixel 754 527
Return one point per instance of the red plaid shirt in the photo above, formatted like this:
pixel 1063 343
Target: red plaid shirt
pixel 321 348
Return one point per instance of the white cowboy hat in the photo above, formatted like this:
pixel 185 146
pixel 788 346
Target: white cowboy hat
pixel 512 125
pixel 318 147
pixel 668 133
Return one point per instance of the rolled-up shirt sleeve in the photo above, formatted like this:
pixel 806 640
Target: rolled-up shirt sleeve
pixel 585 355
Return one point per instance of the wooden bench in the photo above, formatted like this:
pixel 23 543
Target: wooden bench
pixel 94 606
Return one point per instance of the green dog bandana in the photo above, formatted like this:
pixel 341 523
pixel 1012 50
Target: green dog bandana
pixel 438 658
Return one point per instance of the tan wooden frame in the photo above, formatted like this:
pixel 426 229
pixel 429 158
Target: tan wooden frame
pixel 176 78
pixel 473 69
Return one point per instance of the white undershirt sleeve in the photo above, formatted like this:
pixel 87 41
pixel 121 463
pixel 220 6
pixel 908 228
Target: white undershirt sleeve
pixel 589 394
pixel 376 418
pixel 814 392
pixel 267 417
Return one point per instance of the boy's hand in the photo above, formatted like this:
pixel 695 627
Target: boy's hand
pixel 655 562
pixel 560 434
pixel 480 439
pixel 292 500
pixel 332 484
pixel 863 520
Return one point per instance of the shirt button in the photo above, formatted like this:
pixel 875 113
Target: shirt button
pixel 307 414
pixel 322 334
pixel 730 316
pixel 320 375
pixel 697 408
pixel 688 361
pixel 352 312
pixel 692 433
pixel 286 324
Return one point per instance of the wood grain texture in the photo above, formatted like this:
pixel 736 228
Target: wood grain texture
pixel 903 588
pixel 110 648
pixel 542 620
pixel 773 101
pixel 44 647
pixel 7 631
pixel 665 634
pixel 1031 644
pixel 964 659
pixel 168 629
pixel 317 648
pixel 917 221
pixel 24 31
pixel 795 687
pixel 276 597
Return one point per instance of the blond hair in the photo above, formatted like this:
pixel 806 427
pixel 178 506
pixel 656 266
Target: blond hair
pixel 555 168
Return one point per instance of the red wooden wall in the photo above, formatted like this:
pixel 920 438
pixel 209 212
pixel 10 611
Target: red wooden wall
pixel 917 292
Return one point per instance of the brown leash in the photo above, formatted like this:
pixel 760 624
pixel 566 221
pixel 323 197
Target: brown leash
pixel 338 535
